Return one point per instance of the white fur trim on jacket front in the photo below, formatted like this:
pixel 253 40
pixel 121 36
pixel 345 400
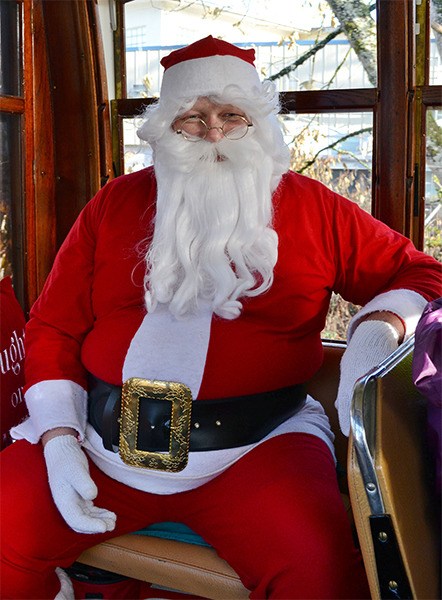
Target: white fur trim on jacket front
pixel 406 304
pixel 170 349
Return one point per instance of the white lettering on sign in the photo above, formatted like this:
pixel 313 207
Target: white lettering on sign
pixel 12 356
pixel 17 397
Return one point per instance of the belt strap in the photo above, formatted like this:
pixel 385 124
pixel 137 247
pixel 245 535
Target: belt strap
pixel 215 424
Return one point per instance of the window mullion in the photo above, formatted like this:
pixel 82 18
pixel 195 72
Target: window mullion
pixel 392 117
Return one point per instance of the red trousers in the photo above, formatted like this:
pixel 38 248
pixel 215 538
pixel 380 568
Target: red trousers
pixel 276 516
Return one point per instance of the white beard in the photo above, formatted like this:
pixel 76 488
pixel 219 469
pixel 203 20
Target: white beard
pixel 213 238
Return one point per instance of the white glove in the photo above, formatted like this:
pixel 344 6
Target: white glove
pixel 66 591
pixel 72 487
pixel 370 344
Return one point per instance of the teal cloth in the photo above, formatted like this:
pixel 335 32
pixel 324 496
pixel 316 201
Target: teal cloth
pixel 169 530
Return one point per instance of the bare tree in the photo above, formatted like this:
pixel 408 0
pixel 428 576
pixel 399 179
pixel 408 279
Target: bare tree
pixel 360 29
pixel 436 23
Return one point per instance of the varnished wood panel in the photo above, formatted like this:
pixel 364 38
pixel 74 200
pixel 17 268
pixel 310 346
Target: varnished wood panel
pixel 74 99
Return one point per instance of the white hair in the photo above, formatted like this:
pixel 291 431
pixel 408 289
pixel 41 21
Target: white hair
pixel 213 238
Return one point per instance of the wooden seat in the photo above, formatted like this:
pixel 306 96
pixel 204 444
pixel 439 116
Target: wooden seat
pixel 198 570
pixel 391 495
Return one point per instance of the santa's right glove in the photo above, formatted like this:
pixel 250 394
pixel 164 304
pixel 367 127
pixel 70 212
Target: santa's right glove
pixel 370 344
pixel 72 487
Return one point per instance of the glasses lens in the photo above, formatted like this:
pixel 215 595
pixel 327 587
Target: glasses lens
pixel 193 129
pixel 235 127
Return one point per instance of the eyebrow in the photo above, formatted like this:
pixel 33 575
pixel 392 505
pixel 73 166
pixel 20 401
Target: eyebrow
pixel 228 108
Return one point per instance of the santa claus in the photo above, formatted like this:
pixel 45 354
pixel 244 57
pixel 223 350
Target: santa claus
pixel 204 280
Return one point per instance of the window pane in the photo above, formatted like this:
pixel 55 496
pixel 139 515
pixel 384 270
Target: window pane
pixel 335 148
pixel 11 218
pixel 282 33
pixel 435 77
pixel 137 153
pixel 433 185
pixel 10 49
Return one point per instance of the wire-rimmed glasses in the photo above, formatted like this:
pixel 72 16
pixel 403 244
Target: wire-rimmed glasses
pixel 195 129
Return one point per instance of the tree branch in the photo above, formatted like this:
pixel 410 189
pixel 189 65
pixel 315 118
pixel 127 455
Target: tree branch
pixel 333 145
pixel 293 66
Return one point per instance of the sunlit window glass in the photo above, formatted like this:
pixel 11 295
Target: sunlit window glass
pixel 435 74
pixel 335 148
pixel 137 154
pixel 10 49
pixel 10 194
pixel 302 45
pixel 433 185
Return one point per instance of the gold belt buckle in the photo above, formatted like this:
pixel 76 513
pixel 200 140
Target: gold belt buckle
pixel 180 397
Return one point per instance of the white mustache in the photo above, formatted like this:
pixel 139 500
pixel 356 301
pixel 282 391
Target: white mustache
pixel 188 156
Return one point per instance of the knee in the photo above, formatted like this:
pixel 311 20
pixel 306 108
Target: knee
pixel 315 574
pixel 311 559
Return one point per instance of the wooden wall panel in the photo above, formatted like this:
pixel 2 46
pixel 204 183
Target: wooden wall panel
pixel 392 118
pixel 40 197
pixel 74 101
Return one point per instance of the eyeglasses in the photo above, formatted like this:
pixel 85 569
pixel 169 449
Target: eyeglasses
pixel 194 129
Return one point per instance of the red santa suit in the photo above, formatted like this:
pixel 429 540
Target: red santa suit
pixel 97 323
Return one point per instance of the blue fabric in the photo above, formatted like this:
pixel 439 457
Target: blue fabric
pixel 174 531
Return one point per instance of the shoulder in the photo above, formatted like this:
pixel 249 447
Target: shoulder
pixel 133 192
pixel 300 189
pixel 292 180
pixel 301 193
pixel 297 196
pixel 137 182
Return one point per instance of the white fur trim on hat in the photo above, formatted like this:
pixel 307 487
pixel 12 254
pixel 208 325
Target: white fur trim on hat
pixel 208 76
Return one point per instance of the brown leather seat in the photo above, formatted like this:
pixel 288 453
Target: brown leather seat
pixel 195 569
pixel 391 493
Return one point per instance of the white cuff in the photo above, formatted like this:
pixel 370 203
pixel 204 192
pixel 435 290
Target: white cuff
pixel 406 304
pixel 51 404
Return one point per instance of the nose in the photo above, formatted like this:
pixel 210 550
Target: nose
pixel 214 131
pixel 214 134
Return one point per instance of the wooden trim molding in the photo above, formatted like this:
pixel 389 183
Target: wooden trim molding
pixel 40 197
pixel 392 118
pixel 328 100
pixel 74 101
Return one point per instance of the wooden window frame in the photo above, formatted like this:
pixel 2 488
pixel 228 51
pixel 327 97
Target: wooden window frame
pixel 35 232
pixel 66 144
pixel 425 97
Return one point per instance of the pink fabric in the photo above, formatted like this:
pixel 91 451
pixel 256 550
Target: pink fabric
pixel 289 537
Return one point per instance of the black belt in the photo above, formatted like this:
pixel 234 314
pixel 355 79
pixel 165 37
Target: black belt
pixel 214 425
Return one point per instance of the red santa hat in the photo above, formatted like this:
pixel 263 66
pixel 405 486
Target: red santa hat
pixel 206 68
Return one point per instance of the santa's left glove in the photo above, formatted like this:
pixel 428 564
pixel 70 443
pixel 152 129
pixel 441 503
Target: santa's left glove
pixel 370 344
pixel 72 487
